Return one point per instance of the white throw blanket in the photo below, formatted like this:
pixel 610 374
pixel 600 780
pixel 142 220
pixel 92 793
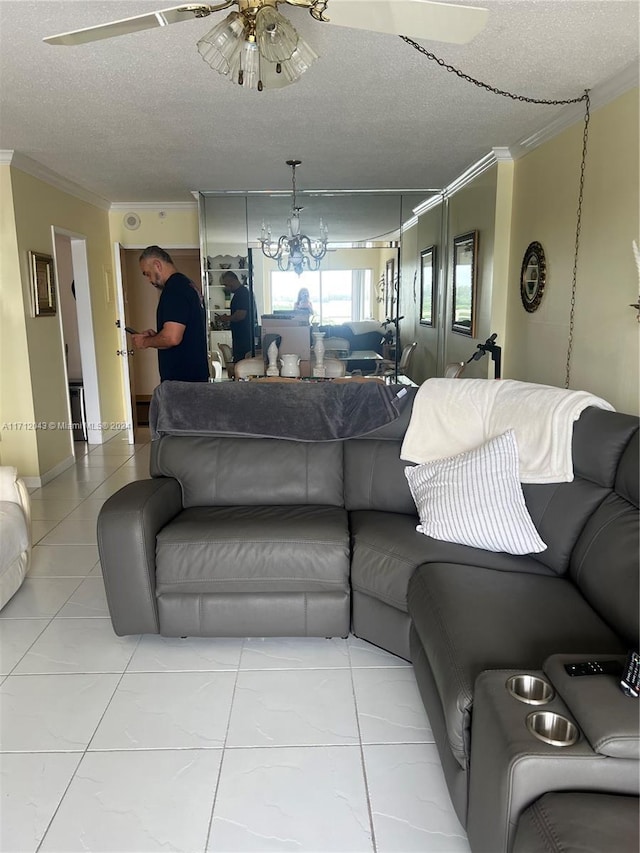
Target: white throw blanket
pixel 450 416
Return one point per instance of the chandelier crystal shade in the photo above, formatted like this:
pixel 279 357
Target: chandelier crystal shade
pixel 295 250
pixel 257 49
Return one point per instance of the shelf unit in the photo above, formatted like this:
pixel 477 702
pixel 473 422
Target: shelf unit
pixel 218 297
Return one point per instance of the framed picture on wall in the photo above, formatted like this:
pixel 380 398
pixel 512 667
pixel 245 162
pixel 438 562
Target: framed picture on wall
pixel 43 284
pixel 389 293
pixel 465 283
pixel 427 286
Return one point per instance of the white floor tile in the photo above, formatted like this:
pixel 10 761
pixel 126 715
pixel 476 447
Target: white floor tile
pixel 87 511
pixel 51 509
pixel 52 713
pixel 108 488
pixel 366 654
pixel 390 709
pixel 32 785
pixel 120 802
pixel 68 491
pixel 72 533
pixel 294 653
pixel 410 803
pixel 167 710
pixel 166 654
pixel 39 597
pixel 16 636
pixel 292 799
pixel 39 529
pixel 62 560
pixel 292 708
pixel 78 645
pixel 88 601
pixel 106 463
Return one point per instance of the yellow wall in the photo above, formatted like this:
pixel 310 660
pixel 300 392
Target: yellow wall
pixel 174 228
pixel 473 208
pixel 17 446
pixel 38 206
pixel 606 334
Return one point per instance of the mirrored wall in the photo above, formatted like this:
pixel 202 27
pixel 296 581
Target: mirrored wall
pixel 360 280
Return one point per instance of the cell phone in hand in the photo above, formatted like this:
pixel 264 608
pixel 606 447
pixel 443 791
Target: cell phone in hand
pixel 130 330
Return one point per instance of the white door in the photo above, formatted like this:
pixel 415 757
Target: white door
pixel 125 350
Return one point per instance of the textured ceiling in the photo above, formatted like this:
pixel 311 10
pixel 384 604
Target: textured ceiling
pixel 143 118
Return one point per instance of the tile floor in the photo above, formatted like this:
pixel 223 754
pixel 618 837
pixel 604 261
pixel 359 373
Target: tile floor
pixel 130 744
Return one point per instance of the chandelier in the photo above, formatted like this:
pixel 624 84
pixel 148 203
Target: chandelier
pixel 294 250
pixel 257 47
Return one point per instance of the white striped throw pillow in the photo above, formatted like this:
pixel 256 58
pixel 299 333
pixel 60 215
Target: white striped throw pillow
pixel 475 498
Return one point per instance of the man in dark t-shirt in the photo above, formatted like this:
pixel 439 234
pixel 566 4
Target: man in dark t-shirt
pixel 181 336
pixel 242 319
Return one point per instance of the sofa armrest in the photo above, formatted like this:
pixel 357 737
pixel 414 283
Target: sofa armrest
pixel 127 527
pixel 608 718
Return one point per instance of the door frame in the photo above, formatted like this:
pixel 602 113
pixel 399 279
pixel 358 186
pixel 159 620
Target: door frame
pixel 86 337
pixel 124 343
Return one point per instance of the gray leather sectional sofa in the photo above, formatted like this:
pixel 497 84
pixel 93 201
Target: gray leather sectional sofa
pixel 237 536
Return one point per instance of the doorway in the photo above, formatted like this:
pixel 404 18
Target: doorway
pixel 138 311
pixel 76 335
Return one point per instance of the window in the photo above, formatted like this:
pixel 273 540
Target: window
pixel 337 296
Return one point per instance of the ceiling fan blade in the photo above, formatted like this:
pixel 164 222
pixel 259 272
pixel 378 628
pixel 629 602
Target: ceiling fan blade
pixel 421 19
pixel 162 18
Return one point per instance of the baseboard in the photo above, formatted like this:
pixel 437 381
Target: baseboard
pixel 52 473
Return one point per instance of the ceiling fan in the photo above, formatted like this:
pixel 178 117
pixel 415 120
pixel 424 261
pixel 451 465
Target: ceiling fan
pixel 258 47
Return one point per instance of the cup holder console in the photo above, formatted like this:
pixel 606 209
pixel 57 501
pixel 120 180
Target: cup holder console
pixel 530 689
pixel 552 728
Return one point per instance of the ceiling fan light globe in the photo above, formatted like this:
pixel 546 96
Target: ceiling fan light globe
pixel 221 46
pixel 300 61
pixel 277 38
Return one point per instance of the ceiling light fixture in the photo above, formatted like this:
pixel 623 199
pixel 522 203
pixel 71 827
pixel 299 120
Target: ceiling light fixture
pixel 294 250
pixel 257 47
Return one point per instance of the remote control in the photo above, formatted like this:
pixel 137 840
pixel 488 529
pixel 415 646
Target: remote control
pixel 593 667
pixel 630 681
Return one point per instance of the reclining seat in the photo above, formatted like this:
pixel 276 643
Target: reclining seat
pixel 581 599
pixel 231 537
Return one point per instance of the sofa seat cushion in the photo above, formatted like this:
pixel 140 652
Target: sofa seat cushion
pixel 471 619
pixel 579 822
pixel 254 549
pixel 387 550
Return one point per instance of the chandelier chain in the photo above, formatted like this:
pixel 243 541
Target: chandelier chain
pixel 574 279
pixel 453 70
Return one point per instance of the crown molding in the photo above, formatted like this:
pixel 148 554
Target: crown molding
pixel 600 95
pixel 42 173
pixel 153 206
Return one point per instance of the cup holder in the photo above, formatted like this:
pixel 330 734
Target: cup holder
pixel 552 728
pixel 530 689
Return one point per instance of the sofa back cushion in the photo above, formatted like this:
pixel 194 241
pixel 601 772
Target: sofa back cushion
pixel 560 511
pixel 374 477
pixel 251 471
pixel 604 563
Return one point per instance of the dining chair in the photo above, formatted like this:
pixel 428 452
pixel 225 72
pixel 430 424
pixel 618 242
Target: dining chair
pixel 227 358
pixel 386 367
pixel 216 365
pixel 248 368
pixel 334 368
pixel 454 370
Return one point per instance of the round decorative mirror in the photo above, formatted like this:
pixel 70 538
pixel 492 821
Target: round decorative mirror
pixel 533 275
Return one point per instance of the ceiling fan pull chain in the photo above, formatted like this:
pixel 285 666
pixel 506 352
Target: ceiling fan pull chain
pixel 574 280
pixel 453 70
